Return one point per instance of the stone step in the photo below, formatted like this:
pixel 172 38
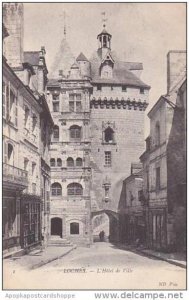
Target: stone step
pixel 58 241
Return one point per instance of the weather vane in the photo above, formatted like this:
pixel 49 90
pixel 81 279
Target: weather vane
pixel 63 16
pixel 104 19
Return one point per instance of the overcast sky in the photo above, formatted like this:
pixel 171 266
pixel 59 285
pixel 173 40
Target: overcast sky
pixel 142 32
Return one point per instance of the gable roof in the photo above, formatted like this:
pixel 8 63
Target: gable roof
pixel 81 57
pixel 105 57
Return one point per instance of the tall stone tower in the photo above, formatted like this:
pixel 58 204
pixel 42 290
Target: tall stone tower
pixel 13 19
pixel 118 101
pixel 98 109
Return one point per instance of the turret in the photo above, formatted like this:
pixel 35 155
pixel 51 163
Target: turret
pixel 104 42
pixel 84 65
pixel 74 72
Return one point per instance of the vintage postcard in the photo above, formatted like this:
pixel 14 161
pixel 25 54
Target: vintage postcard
pixel 94 146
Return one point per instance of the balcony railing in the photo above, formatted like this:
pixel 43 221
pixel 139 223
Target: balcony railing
pixel 15 175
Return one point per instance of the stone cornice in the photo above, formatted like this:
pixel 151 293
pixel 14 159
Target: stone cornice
pixel 118 103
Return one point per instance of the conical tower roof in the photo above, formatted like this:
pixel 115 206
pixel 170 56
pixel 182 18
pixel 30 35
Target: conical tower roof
pixel 81 57
pixel 64 59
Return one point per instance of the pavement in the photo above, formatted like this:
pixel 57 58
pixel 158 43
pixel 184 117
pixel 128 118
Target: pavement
pixel 102 266
pixel 176 258
pixel 40 257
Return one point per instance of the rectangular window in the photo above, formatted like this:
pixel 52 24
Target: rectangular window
pixel 124 88
pixel 55 97
pixel 12 106
pixel 34 122
pixel 108 159
pixel 78 96
pixel 26 164
pixel 158 178
pixel 4 99
pixel 27 112
pixel 16 111
pixel 34 169
pixel 56 106
pixel 141 90
pixel 154 228
pixel 99 88
pixel 71 97
pixel 7 98
pixel 34 188
pixel 71 106
pixel 78 106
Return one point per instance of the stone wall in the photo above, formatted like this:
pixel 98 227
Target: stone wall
pixel 128 126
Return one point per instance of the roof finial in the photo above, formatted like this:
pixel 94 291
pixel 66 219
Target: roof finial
pixel 104 19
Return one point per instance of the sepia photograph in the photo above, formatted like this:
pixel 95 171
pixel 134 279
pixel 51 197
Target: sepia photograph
pixel 94 146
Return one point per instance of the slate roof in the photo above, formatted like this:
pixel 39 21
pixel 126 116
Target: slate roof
pixel 121 74
pixel 104 31
pixel 53 82
pixel 32 57
pixel 81 57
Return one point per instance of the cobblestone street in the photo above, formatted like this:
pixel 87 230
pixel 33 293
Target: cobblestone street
pixel 103 266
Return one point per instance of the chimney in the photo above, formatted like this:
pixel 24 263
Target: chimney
pixel 13 19
pixel 176 68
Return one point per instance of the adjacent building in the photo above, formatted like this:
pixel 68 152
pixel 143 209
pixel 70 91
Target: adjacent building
pixel 164 162
pixel 132 213
pixel 24 111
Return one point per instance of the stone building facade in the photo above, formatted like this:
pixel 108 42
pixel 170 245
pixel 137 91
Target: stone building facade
pixel 132 213
pixel 103 100
pixel 70 156
pixel 24 109
pixel 164 164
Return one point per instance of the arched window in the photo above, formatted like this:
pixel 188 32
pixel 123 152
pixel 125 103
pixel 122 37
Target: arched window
pixel 56 189
pixel 56 133
pixel 109 135
pixel 59 162
pixel 79 162
pixel 10 154
pixel 74 189
pixel 75 132
pixel 70 162
pixel 52 162
pixel 157 134
pixel 74 228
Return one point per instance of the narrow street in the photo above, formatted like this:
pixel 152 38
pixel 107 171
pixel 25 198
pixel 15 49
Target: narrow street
pixel 103 266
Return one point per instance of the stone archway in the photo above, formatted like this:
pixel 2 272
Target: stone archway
pixel 56 227
pixel 113 223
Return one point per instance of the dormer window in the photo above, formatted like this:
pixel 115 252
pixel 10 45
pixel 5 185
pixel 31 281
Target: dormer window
pixel 106 70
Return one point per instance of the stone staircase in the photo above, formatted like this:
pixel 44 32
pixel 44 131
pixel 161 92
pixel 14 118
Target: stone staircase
pixel 56 240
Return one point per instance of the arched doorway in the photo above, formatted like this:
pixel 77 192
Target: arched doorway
pixel 101 223
pixel 106 221
pixel 56 226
